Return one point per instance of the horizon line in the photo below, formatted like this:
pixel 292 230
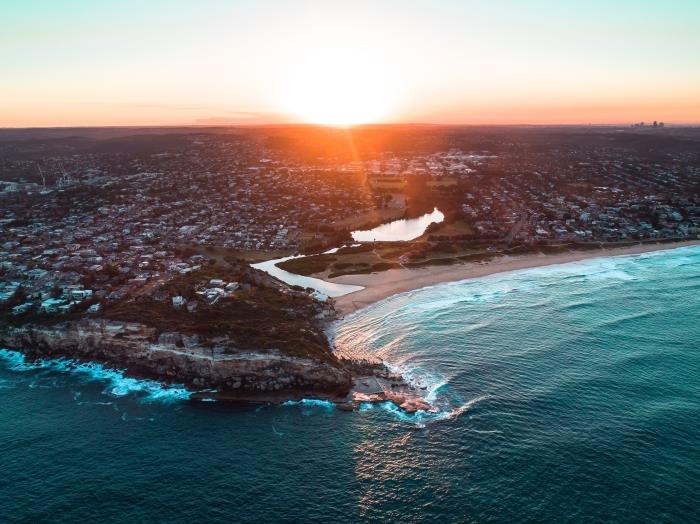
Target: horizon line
pixel 353 126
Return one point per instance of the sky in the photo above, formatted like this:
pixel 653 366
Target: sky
pixel 181 62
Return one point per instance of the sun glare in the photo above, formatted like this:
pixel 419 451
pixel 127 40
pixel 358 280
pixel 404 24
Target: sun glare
pixel 338 103
pixel 339 86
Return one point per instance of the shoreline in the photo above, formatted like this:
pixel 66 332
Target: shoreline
pixel 370 383
pixel 379 286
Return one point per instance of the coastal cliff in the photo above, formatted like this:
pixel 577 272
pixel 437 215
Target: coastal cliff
pixel 177 358
pixel 225 328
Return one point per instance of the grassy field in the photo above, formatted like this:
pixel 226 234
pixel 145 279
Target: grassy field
pixel 307 265
pixel 452 229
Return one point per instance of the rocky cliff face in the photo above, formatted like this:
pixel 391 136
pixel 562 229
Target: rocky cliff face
pixel 173 357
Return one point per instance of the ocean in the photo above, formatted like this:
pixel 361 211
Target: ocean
pixel 568 393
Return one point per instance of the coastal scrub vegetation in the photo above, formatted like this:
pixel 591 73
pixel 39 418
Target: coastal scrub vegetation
pixel 261 314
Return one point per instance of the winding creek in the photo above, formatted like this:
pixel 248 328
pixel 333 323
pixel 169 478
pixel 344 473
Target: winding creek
pixel 404 229
pixel 328 289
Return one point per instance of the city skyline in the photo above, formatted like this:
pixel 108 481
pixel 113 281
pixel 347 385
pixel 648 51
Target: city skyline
pixel 182 63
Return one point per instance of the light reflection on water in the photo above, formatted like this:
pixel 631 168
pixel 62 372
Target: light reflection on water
pixel 572 389
pixel 329 289
pixel 399 230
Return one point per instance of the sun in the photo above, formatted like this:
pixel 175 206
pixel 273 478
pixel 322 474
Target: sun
pixel 340 102
pixel 338 85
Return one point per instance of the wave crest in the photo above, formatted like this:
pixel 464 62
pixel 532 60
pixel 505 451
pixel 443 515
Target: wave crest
pixel 118 385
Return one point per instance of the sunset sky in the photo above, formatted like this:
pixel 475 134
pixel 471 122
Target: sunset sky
pixel 171 62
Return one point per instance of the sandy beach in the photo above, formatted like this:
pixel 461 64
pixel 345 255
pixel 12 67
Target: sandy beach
pixel 384 284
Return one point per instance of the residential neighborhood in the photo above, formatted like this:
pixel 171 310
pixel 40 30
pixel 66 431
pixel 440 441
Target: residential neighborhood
pixel 85 228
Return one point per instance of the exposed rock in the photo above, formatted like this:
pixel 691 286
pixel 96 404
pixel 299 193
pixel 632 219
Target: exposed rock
pixel 172 357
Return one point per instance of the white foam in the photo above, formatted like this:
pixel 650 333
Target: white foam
pixel 421 418
pixel 311 402
pixel 423 381
pixel 118 384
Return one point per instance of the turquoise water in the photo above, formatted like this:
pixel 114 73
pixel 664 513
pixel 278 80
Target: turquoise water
pixel 568 394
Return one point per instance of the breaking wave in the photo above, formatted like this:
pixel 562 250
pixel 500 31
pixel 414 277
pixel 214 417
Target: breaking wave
pixel 429 335
pixel 117 384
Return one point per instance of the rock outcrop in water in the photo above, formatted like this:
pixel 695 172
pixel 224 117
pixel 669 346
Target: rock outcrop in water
pixel 176 358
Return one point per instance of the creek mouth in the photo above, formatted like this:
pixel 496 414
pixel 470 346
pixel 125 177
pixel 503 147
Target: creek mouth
pixel 401 230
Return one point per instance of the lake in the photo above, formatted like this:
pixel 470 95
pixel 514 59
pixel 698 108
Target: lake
pixel 399 230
